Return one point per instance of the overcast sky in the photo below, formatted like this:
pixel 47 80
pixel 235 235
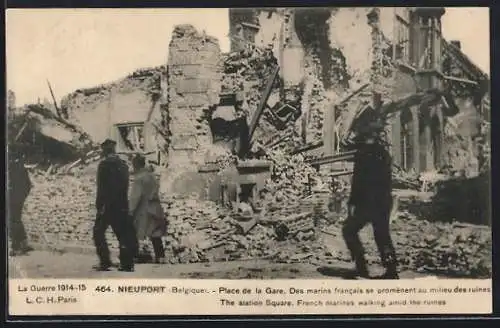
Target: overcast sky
pixel 82 48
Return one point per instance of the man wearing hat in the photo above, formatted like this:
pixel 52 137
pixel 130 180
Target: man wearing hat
pixel 19 185
pixel 112 209
pixel 370 199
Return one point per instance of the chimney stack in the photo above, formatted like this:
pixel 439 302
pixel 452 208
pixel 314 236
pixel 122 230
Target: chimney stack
pixel 456 43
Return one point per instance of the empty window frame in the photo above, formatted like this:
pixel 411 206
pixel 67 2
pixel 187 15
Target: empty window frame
pixel 402 40
pixel 131 137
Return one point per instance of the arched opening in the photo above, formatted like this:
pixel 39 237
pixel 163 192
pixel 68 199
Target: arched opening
pixel 407 160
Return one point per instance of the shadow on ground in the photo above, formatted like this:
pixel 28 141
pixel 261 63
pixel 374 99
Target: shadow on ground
pixel 336 272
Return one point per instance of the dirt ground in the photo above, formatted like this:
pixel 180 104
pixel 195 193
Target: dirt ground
pixel 47 264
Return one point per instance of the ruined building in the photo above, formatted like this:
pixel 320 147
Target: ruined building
pixel 397 51
pixel 295 76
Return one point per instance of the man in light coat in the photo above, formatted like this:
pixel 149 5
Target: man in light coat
pixel 146 209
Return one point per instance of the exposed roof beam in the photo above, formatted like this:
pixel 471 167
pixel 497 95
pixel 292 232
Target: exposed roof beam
pixel 250 25
pixel 456 79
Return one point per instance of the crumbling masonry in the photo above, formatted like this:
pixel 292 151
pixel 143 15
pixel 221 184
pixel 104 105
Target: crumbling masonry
pixel 397 51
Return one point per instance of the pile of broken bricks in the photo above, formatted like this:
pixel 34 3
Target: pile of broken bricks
pixel 287 227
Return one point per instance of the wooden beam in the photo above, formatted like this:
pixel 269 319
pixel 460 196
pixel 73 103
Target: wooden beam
pixel 352 94
pixel 306 148
pixel 250 25
pixel 346 156
pixel 342 173
pixel 456 79
pixel 21 131
pixel 54 99
pixel 262 105
pixel 277 142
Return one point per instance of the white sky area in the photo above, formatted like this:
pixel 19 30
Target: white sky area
pixel 82 48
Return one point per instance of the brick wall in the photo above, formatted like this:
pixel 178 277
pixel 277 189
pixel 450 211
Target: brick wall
pixel 193 86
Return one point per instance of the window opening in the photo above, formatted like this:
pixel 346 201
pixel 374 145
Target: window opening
pixel 132 137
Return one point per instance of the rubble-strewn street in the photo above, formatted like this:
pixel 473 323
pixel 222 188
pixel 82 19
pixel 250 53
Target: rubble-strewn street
pixel 204 232
pixel 255 152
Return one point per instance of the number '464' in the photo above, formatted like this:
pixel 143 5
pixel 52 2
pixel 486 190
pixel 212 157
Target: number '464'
pixel 103 289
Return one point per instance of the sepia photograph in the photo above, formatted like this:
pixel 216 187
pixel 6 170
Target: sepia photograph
pixel 268 143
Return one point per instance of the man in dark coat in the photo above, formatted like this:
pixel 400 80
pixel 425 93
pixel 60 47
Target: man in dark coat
pixel 19 185
pixel 112 209
pixel 371 199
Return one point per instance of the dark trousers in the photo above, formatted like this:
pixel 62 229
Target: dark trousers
pixel 125 233
pixel 380 220
pixel 158 247
pixel 17 232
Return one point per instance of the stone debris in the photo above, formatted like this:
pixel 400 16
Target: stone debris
pixel 288 228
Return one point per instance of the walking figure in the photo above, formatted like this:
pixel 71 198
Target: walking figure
pixel 371 199
pixel 145 208
pixel 112 209
pixel 19 185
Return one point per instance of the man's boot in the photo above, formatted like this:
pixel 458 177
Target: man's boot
pixel 362 268
pixel 391 273
pixel 20 249
pixel 126 268
pixel 360 271
pixel 126 259
pixel 26 248
pixel 102 267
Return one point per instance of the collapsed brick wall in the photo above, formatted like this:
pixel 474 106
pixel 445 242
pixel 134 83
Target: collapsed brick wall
pixel 194 83
pixel 60 211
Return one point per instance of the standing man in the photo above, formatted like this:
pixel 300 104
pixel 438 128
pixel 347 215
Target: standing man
pixel 19 188
pixel 146 209
pixel 370 199
pixel 112 209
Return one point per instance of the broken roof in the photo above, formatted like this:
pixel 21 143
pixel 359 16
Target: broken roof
pixel 466 63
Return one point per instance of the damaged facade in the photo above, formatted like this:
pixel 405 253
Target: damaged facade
pixel 129 110
pixel 397 51
pixel 294 78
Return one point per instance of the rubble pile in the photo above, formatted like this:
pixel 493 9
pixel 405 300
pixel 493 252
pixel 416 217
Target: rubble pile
pixel 295 188
pixel 290 179
pixel 200 232
pixel 246 66
pixel 463 199
pixel 247 72
pixel 61 210
pixel 46 138
pixel 450 249
pixel 459 156
pixel 444 248
pixel 405 179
